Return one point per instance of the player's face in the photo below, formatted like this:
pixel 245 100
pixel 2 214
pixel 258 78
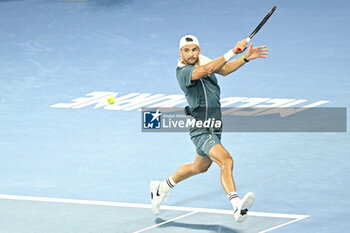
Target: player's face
pixel 190 53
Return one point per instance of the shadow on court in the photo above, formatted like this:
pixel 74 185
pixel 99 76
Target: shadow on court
pixel 206 227
pixel 201 196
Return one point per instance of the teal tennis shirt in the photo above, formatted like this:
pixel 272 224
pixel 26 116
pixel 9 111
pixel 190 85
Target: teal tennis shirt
pixel 203 95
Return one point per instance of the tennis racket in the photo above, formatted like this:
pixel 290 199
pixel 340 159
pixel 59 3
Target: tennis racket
pixel 258 27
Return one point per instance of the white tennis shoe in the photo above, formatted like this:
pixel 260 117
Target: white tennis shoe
pixel 157 196
pixel 240 212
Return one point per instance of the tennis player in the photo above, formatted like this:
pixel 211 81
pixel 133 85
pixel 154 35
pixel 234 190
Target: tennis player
pixel 196 76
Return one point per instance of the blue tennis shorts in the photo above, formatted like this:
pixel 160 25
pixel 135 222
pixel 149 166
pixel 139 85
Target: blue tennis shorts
pixel 204 142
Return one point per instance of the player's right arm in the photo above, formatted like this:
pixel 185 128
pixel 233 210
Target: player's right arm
pixel 215 65
pixel 208 69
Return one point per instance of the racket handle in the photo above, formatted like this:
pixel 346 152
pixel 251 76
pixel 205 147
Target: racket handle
pixel 239 50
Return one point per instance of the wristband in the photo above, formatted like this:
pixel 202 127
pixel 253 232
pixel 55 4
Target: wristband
pixel 245 59
pixel 229 55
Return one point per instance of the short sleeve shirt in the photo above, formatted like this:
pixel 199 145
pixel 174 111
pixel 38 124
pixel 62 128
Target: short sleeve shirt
pixel 203 95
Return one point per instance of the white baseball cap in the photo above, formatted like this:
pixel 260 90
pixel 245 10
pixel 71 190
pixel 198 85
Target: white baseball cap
pixel 188 39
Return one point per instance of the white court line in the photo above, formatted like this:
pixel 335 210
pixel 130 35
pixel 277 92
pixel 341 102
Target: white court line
pixel 171 220
pixel 284 224
pixel 295 217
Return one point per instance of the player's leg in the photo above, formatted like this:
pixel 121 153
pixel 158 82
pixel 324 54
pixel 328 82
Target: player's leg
pixel 224 160
pixel 159 190
pixel 199 165
pixel 220 156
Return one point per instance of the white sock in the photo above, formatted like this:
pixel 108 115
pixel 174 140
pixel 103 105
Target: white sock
pixel 234 199
pixel 167 185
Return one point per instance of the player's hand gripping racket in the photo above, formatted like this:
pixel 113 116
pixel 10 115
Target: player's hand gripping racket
pixel 258 27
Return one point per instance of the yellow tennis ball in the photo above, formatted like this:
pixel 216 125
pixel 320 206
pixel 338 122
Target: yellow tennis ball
pixel 111 100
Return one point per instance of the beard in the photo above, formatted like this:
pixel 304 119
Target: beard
pixel 191 61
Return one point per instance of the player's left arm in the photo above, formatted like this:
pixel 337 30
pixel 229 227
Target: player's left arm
pixel 251 54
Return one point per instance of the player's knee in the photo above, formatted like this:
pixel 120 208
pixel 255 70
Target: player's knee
pixel 204 169
pixel 227 162
pixel 197 170
pixel 200 169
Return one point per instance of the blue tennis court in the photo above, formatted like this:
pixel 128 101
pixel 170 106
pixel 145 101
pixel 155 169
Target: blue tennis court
pixel 70 162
